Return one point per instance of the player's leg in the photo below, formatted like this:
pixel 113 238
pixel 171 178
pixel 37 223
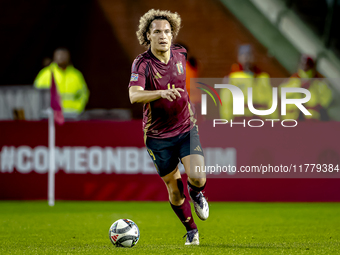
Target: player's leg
pixel 193 165
pixel 177 199
pixel 180 205
pixel 166 160
pixel 196 184
pixel 192 157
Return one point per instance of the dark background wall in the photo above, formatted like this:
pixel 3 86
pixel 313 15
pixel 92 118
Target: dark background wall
pixel 31 30
pixel 101 38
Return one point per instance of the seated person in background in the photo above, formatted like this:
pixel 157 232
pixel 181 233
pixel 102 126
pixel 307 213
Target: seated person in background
pixel 245 74
pixel 321 96
pixel 70 83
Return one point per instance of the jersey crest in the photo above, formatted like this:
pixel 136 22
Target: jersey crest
pixel 179 67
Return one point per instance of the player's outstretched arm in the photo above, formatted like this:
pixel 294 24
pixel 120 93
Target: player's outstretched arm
pixel 138 95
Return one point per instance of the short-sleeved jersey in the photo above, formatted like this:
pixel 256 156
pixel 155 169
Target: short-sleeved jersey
pixel 162 118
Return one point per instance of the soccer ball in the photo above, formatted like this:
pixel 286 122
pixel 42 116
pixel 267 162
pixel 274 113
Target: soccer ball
pixel 124 233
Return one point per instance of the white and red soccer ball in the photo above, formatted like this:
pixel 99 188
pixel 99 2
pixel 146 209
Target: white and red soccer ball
pixel 124 233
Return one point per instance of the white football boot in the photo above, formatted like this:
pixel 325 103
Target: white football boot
pixel 192 237
pixel 200 204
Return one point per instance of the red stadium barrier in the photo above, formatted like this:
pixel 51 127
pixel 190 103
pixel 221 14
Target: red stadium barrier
pixel 104 160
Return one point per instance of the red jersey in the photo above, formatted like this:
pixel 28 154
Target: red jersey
pixel 162 118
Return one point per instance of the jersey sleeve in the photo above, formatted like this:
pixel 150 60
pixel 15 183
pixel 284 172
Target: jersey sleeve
pixel 138 72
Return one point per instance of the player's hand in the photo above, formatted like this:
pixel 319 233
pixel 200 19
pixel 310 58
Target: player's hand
pixel 171 94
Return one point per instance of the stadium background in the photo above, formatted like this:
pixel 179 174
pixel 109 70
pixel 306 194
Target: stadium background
pixel 101 38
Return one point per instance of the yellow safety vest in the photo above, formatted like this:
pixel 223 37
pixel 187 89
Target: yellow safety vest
pixel 262 94
pixel 70 83
pixel 321 96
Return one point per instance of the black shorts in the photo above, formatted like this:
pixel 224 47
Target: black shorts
pixel 166 152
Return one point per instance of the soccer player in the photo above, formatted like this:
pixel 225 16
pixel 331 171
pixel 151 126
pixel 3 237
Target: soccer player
pixel 158 81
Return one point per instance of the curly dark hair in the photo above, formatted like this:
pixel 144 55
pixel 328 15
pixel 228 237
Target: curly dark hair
pixel 145 21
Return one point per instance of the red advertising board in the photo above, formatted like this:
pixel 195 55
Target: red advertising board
pixel 106 160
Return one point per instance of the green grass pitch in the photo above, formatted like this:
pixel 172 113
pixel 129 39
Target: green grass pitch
pixel 232 228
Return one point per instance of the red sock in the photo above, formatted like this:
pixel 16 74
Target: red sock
pixel 183 212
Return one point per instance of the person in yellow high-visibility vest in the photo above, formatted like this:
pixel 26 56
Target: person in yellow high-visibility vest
pixel 321 96
pixel 70 82
pixel 244 75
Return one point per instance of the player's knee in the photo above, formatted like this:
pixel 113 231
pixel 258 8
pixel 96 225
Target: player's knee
pixel 175 195
pixel 174 184
pixel 198 182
